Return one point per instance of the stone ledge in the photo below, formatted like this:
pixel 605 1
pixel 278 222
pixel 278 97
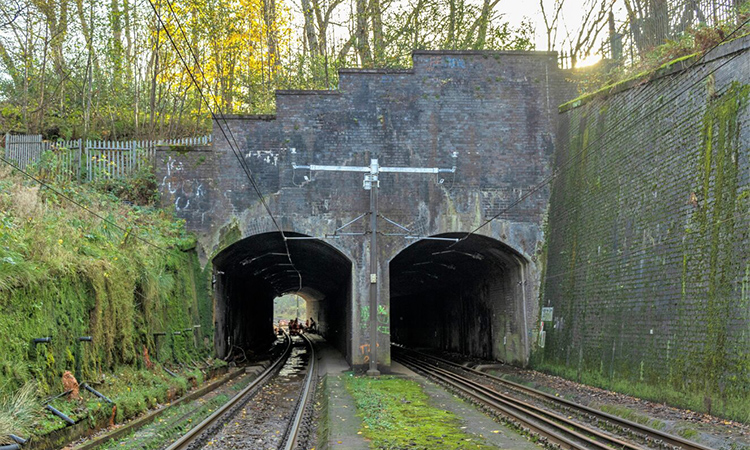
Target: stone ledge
pixel 488 53
pixel 675 66
pixel 245 117
pixel 307 92
pixel 354 70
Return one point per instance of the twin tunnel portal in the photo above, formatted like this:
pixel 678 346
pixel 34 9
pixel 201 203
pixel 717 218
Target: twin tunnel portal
pixel 490 116
pixel 464 296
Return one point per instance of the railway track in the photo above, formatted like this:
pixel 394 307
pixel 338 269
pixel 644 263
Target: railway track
pixel 548 416
pixel 292 374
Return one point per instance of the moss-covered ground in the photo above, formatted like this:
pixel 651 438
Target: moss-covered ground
pixel 136 289
pixel 131 390
pixel 396 414
pixel 178 419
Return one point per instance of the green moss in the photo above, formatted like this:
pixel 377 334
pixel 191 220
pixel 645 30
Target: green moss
pixel 396 413
pixel 181 149
pixel 648 279
pixel 604 90
pixel 633 416
pixel 229 234
pixel 678 60
pixel 714 242
pixel 73 275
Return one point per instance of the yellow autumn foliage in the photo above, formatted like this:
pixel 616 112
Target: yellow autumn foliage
pixel 238 44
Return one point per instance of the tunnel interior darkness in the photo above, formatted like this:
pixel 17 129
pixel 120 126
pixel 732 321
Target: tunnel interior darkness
pixel 468 298
pixel 251 273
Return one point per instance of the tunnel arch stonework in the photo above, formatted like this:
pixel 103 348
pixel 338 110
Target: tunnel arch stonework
pixel 492 115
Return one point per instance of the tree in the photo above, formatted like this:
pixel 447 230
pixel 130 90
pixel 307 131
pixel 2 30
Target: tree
pixel 649 22
pixel 551 17
pixel 581 42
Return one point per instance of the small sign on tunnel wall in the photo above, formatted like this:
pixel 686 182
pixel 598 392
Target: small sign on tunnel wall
pixel 547 314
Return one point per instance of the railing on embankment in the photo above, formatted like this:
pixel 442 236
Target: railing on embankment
pixel 87 159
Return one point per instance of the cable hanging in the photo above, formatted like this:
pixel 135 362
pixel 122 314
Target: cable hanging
pixel 621 129
pixel 80 205
pixel 233 145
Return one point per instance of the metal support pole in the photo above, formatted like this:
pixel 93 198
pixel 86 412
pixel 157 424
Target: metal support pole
pixel 373 371
pixel 371 182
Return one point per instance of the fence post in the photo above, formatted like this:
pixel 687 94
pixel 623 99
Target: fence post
pixel 79 159
pixel 133 156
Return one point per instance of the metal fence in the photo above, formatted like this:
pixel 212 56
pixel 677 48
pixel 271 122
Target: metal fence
pixel 89 160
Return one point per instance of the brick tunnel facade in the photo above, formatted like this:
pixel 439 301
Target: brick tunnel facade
pixel 492 115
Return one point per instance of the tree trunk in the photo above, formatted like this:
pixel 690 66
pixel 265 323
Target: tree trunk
pixel 154 74
pixel 116 25
pixel 363 35
pixel 269 17
pixel 311 38
pixel 484 20
pixel 376 13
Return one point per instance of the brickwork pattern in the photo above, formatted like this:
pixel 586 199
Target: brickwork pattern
pixel 496 111
pixel 649 252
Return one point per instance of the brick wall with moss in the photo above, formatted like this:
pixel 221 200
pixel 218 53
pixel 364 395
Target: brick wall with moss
pixel 65 273
pixel 648 251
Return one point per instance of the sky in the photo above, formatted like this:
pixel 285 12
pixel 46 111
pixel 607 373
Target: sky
pixel 515 11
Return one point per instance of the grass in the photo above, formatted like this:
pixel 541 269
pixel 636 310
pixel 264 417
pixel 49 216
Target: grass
pixel 732 407
pixel 633 416
pixel 18 412
pixel 688 433
pixel 396 414
pixel 177 420
pixel 134 391
pixel 65 273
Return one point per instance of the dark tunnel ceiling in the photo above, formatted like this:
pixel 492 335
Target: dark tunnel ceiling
pixel 429 265
pixel 264 256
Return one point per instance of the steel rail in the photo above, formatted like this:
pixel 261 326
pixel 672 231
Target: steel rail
pixel 188 438
pixel 619 421
pixel 290 441
pixel 555 428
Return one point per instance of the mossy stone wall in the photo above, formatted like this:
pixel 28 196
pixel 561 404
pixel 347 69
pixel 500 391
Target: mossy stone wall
pixel 648 251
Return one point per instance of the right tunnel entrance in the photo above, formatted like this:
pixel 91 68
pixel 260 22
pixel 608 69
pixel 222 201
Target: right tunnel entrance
pixel 469 298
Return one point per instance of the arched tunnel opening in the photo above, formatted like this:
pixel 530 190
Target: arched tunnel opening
pixel 468 298
pixel 251 273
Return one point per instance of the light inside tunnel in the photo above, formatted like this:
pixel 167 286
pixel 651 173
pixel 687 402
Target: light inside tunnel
pixel 290 306
pixel 468 298
pixel 252 272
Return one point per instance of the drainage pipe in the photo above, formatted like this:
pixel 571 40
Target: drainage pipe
pixel 97 393
pixel 59 414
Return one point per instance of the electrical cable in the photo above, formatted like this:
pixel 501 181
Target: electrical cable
pixel 233 142
pixel 583 151
pixel 79 204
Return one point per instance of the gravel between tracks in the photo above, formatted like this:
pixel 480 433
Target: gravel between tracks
pixel 705 429
pixel 262 422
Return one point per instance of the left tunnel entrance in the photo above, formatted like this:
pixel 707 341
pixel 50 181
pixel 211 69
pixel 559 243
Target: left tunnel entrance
pixel 251 273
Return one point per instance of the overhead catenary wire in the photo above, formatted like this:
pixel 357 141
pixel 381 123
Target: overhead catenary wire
pixel 618 128
pixel 233 142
